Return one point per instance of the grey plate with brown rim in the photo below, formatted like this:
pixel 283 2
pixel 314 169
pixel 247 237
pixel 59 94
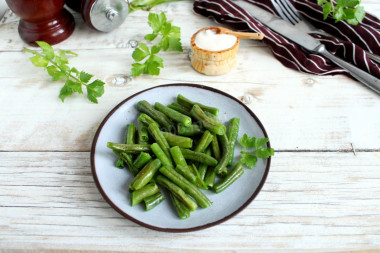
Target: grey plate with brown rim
pixel 113 182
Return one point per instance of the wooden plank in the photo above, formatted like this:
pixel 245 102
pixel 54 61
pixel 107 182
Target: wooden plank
pixel 299 111
pixel 86 38
pixel 311 201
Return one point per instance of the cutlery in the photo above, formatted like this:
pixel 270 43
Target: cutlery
pixel 303 39
pixel 287 12
pixel 241 35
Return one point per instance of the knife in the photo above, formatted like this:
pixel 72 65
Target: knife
pixel 303 39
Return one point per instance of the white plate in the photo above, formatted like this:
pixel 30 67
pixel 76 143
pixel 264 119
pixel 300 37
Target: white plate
pixel 113 182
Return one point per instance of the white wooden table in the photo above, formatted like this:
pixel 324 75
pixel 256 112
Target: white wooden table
pixel 323 189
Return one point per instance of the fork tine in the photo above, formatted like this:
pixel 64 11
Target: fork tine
pixel 282 14
pixel 292 9
pixel 287 11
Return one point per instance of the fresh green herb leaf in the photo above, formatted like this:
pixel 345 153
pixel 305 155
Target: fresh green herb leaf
pixel 39 61
pixel 258 148
pixel 348 10
pixel 248 160
pixel 95 90
pixel 247 142
pixel 56 65
pixel 170 39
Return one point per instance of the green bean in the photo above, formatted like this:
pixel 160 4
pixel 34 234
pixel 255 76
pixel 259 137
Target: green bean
pixel 198 180
pixel 221 168
pixel 188 103
pixel 159 137
pixel 146 119
pixel 177 156
pixel 210 124
pixel 129 138
pixel 215 148
pixel 141 160
pixel 176 140
pixel 160 154
pixel 173 114
pixel 177 191
pixel 232 134
pixel 182 210
pixel 129 148
pixel 199 157
pixel 127 158
pixel 153 201
pixel 146 191
pixel 142 132
pixel 180 108
pixel 205 140
pixel 162 119
pixel 231 177
pixel 187 173
pixel 202 168
pixel 145 175
pixel 189 131
pixel 210 177
pixel 186 186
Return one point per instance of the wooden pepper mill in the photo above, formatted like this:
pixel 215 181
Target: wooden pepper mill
pixel 42 20
pixel 101 15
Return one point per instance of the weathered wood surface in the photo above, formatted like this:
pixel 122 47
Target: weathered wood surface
pixel 319 196
pixel 311 201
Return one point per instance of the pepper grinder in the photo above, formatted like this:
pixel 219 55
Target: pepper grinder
pixel 42 20
pixel 101 15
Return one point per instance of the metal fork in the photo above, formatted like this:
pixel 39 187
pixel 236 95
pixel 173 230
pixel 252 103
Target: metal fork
pixel 287 12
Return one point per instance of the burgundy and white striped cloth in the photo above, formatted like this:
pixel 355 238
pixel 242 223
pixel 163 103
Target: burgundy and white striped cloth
pixel 351 45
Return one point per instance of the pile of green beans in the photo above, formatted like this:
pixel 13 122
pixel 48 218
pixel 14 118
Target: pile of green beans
pixel 182 148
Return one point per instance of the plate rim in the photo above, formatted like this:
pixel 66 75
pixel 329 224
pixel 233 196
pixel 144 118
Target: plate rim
pixel 176 230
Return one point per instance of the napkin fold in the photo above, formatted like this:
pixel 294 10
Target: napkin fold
pixel 351 45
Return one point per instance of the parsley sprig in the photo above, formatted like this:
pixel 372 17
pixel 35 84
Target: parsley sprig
pixel 258 149
pixel 349 10
pixel 170 39
pixel 56 65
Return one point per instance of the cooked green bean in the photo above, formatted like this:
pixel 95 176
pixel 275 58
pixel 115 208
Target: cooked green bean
pixel 146 119
pixel 232 134
pixel 199 157
pixel 215 148
pixel 181 209
pixel 202 168
pixel 146 191
pixel 141 160
pixel 127 158
pixel 176 140
pixel 145 175
pixel 186 186
pixel 153 201
pixel 177 191
pixel 189 131
pixel 189 104
pixel 129 138
pixel 129 148
pixel 180 108
pixel 173 114
pixel 231 177
pixel 159 137
pixel 187 173
pixel 160 118
pixel 221 168
pixel 142 132
pixel 177 156
pixel 210 177
pixel 160 154
pixel 198 180
pixel 205 140
pixel 210 124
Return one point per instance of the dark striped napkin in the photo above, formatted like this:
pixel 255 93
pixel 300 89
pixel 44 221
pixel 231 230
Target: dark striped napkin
pixel 351 45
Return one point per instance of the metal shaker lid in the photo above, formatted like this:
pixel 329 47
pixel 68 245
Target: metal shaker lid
pixel 105 15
